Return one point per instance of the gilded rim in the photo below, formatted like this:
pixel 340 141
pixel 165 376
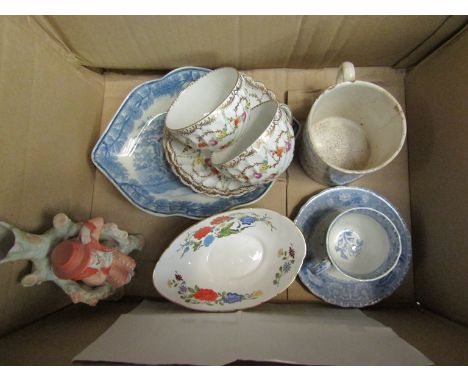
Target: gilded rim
pixel 189 181
pixel 248 151
pixel 223 104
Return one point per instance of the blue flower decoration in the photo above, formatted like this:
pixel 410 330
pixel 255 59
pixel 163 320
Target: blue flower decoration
pixel 183 288
pixel 231 298
pixel 208 240
pixel 247 220
pixel 286 267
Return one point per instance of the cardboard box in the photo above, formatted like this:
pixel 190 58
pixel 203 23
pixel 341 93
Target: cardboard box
pixel 62 79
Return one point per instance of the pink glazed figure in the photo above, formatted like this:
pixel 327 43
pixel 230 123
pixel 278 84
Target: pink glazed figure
pixel 86 259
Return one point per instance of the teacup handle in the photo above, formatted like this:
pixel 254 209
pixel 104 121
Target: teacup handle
pixel 287 111
pixel 346 73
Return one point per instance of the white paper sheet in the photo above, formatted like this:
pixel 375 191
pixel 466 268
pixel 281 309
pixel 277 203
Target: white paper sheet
pixel 309 334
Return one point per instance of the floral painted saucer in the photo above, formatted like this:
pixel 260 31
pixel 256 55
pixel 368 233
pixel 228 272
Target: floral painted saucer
pixel 317 272
pixel 231 261
pixel 193 168
pixel 130 154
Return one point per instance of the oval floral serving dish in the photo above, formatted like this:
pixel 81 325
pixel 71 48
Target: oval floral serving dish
pixel 231 261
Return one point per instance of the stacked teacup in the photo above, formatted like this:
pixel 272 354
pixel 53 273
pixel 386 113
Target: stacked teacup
pixel 226 134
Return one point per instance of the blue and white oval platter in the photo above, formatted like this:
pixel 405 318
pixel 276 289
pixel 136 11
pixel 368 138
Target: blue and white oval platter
pixel 131 155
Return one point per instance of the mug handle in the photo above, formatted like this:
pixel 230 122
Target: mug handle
pixel 346 73
pixel 287 111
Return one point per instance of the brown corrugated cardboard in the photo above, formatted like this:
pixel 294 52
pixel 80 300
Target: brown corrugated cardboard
pixel 446 30
pixel 51 116
pixel 438 116
pixel 50 109
pixel 165 42
pixel 56 339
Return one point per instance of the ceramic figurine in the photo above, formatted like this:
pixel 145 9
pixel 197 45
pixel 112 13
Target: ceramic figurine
pixel 89 261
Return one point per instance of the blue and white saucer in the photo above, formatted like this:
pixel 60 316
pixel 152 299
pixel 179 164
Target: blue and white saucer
pixel 130 154
pixel 317 272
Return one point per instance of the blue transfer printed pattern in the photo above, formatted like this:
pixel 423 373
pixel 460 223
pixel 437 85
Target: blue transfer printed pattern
pixel 348 244
pixel 394 246
pixel 131 155
pixel 319 276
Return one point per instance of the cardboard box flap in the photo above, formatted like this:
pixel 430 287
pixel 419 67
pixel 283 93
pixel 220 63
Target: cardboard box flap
pixel 307 334
pixel 50 342
pixel 246 42
pixel 50 108
pixel 437 115
pixel 447 29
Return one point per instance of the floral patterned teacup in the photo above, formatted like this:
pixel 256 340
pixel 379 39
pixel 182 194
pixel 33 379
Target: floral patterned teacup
pixel 209 112
pixel 263 150
pixel 363 244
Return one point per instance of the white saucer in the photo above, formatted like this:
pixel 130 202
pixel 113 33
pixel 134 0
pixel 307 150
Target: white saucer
pixel 193 168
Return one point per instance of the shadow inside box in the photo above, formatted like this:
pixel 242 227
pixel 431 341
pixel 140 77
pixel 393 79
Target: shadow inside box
pixel 295 210
pixel 235 363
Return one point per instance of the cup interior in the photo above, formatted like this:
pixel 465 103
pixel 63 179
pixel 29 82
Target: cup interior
pixel 363 244
pixel 201 98
pixel 357 126
pixel 259 119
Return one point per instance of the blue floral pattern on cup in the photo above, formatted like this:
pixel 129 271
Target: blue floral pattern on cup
pixel 348 244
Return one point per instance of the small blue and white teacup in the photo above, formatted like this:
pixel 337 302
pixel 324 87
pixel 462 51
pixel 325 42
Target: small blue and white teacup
pixel 363 244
